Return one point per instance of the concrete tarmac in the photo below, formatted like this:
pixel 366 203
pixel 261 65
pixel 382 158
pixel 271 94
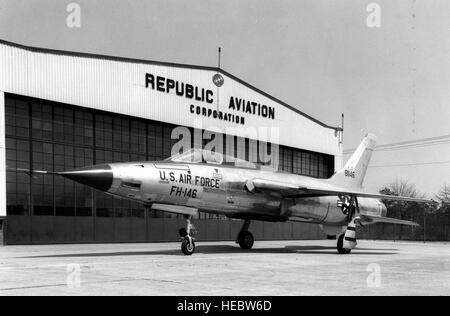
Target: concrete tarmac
pixel 222 268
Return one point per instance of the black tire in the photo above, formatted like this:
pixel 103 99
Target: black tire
pixel 246 240
pixel 188 248
pixel 340 243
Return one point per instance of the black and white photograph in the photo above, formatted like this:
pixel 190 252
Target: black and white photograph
pixel 224 155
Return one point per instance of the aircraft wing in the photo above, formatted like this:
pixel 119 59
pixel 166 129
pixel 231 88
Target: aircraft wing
pixel 370 195
pixel 292 190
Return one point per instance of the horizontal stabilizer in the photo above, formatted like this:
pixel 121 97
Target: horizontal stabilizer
pixel 344 191
pixel 372 219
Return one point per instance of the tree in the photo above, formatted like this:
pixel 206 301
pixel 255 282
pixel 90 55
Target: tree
pixel 401 188
pixel 400 209
pixel 444 195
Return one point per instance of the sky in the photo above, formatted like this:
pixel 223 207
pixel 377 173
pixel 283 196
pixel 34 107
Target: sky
pixel 319 56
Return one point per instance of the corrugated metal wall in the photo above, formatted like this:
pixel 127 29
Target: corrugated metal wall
pixel 119 87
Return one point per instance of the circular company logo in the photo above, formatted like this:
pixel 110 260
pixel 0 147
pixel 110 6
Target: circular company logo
pixel 218 80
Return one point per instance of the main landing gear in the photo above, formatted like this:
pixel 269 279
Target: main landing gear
pixel 347 241
pixel 340 246
pixel 245 238
pixel 187 235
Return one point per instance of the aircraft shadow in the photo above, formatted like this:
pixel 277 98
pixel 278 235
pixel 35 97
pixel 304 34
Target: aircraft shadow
pixel 224 249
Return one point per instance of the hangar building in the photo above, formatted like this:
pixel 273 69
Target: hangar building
pixel 61 110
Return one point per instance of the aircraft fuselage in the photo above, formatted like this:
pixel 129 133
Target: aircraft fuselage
pixel 221 189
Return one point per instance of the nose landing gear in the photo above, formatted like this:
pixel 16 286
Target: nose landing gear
pixel 245 238
pixel 187 235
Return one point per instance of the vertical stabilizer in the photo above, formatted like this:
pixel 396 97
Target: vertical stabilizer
pixel 354 171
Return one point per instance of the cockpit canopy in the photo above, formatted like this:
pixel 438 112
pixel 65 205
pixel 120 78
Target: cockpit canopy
pixel 197 155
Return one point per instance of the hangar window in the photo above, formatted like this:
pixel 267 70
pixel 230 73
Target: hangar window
pixel 121 135
pixel 83 128
pixel 103 131
pixel 314 169
pixel 155 141
pixel 305 164
pixel 296 162
pixel 63 125
pixel 42 121
pixel 104 205
pixel 286 159
pixel 138 137
pixel 17 183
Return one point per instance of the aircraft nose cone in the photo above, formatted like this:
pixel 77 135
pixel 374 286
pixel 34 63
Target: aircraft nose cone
pixel 98 176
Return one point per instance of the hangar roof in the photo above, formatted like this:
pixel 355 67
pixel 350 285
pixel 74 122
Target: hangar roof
pixel 168 64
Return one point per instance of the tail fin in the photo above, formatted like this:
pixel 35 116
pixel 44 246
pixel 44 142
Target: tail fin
pixel 352 175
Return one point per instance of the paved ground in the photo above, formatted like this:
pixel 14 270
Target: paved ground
pixel 271 268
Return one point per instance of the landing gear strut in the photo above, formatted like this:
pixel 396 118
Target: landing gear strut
pixel 347 241
pixel 245 238
pixel 341 250
pixel 187 235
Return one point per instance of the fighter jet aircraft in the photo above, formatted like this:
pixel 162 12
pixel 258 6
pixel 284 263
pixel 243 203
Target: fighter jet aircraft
pixel 206 181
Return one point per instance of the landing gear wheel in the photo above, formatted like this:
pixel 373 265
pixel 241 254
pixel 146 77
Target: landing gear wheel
pixel 246 240
pixel 340 248
pixel 187 246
